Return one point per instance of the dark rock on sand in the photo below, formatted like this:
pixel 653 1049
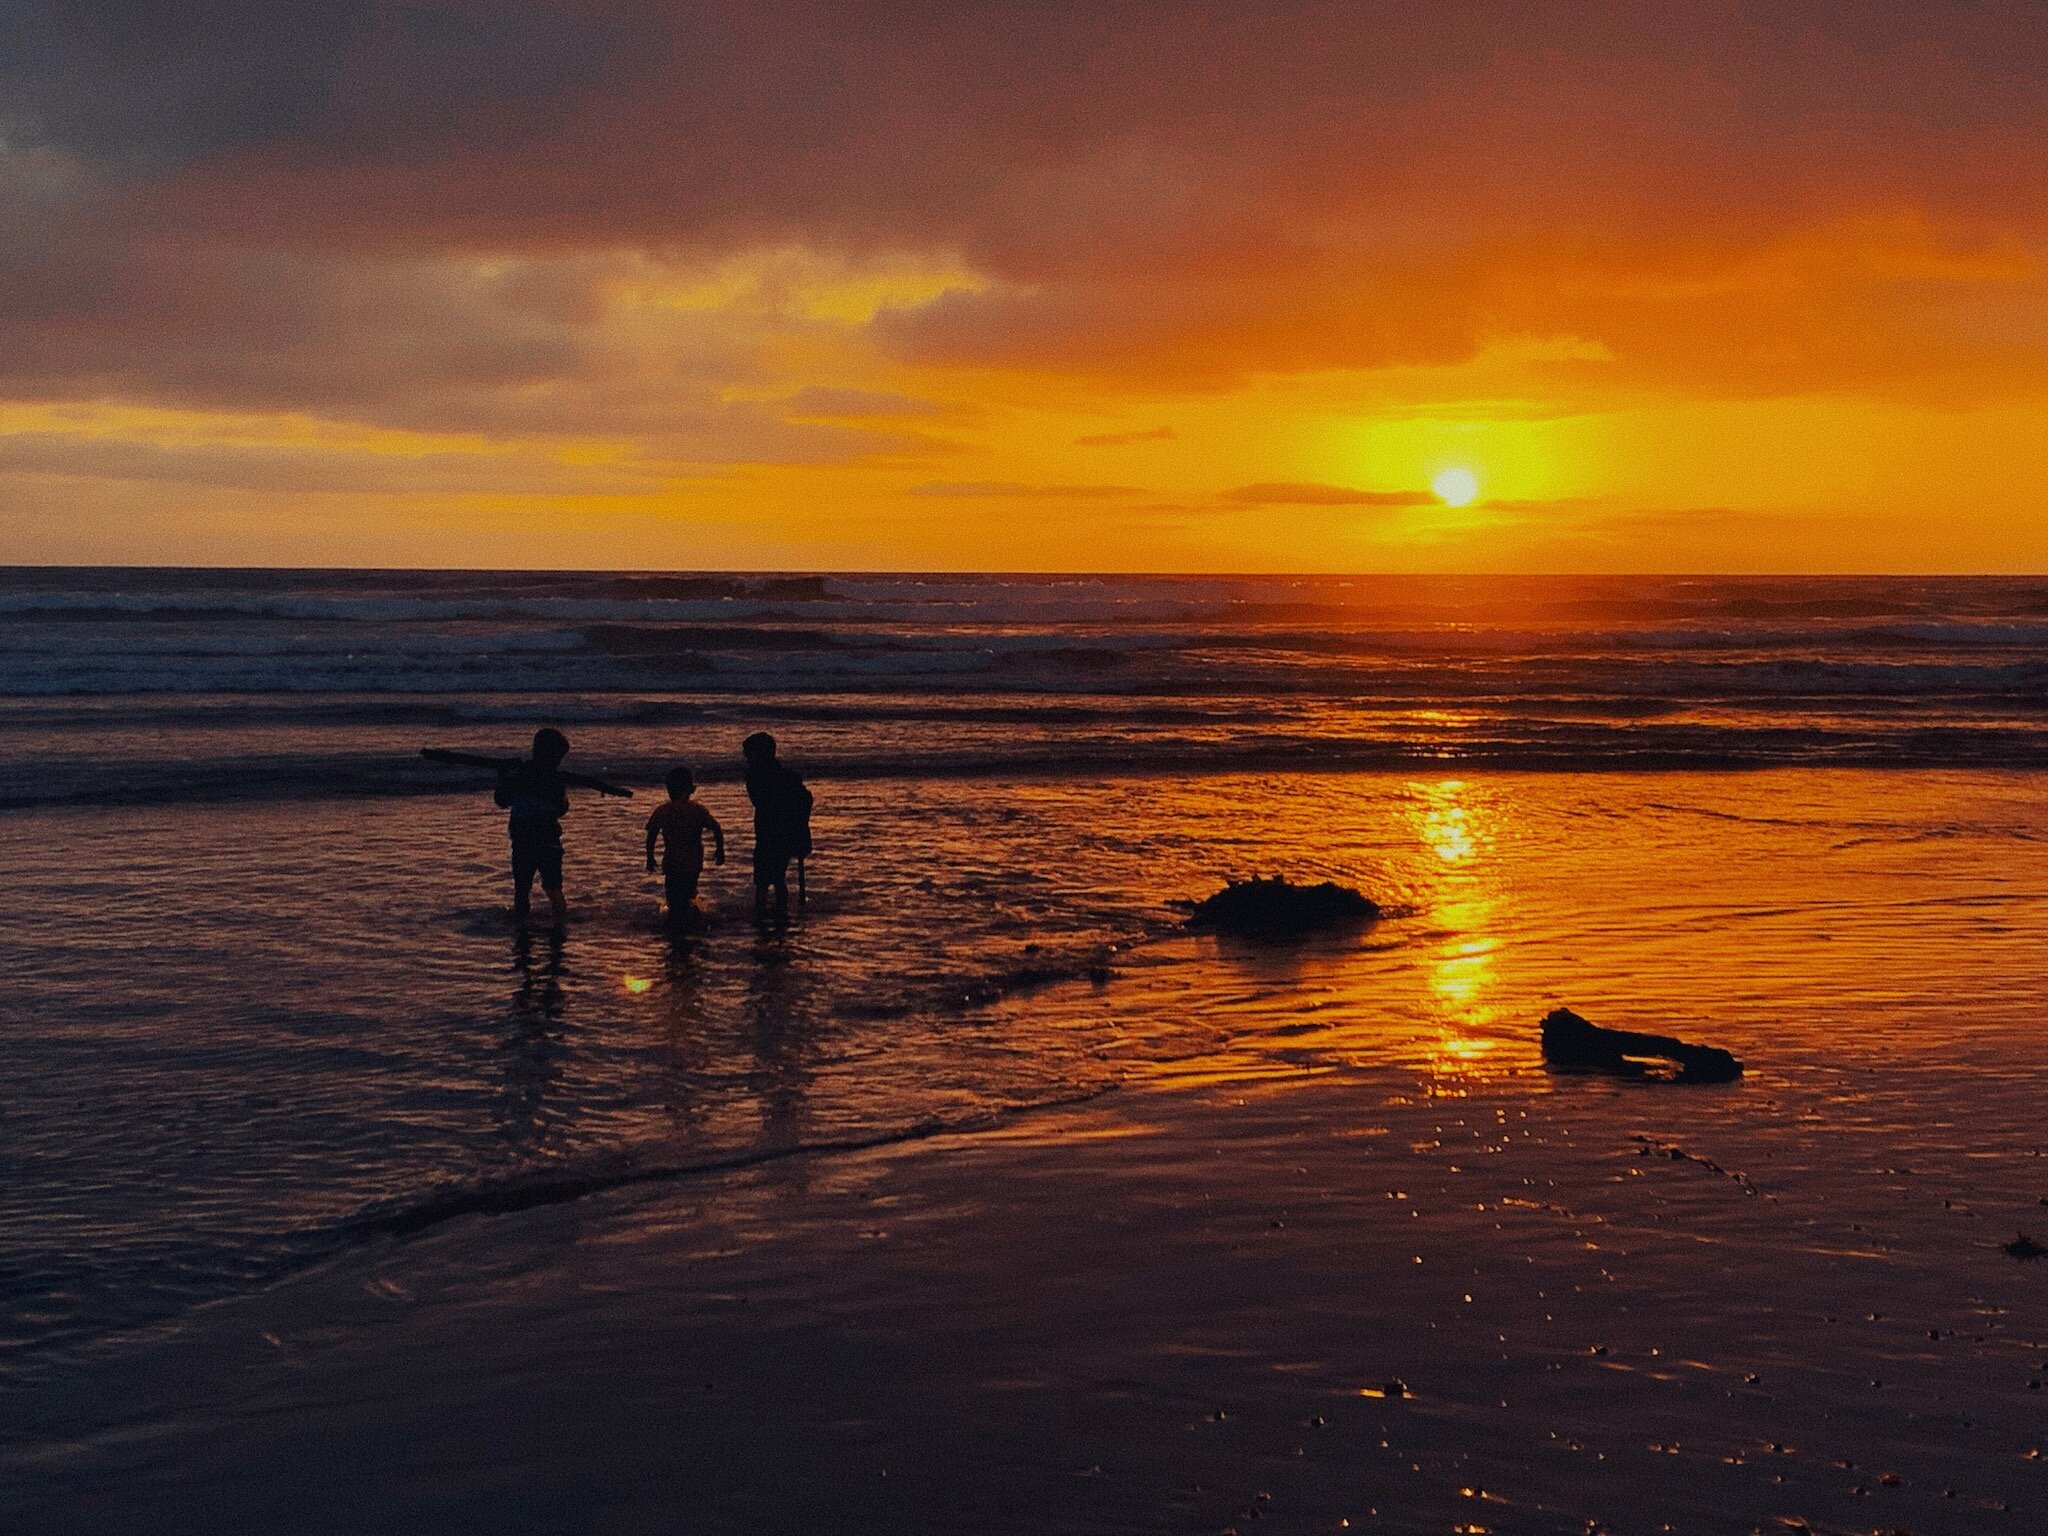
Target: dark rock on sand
pixel 1278 908
pixel 2024 1247
pixel 1578 1045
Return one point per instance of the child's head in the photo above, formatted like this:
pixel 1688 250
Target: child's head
pixel 550 746
pixel 681 783
pixel 758 748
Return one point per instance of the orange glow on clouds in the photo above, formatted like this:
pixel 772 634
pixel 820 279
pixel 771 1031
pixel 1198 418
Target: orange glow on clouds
pixel 1204 286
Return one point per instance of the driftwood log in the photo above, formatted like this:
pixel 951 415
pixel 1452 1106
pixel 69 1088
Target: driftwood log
pixel 503 765
pixel 1575 1044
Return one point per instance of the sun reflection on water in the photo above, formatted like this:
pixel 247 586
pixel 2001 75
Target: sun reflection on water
pixel 1446 827
pixel 1452 823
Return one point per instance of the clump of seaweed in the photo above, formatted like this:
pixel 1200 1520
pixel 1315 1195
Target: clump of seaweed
pixel 1277 908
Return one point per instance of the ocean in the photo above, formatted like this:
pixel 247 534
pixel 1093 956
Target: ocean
pixel 154 686
pixel 266 1014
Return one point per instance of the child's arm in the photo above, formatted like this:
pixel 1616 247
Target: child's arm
pixel 717 838
pixel 653 828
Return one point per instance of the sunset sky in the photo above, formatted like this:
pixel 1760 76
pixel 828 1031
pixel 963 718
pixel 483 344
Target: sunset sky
pixel 1097 285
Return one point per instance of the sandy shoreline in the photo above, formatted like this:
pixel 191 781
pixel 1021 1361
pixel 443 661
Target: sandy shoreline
pixel 1637 1308
pixel 1183 1307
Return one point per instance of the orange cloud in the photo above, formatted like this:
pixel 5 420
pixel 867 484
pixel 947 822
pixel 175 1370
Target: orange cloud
pixel 1121 439
pixel 973 489
pixel 1271 494
pixel 806 254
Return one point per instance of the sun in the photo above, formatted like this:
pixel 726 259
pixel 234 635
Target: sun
pixel 1456 487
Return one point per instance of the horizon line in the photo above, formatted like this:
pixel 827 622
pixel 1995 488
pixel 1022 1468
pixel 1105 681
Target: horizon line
pixel 1024 573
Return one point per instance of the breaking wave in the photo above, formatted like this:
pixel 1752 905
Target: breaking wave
pixel 125 686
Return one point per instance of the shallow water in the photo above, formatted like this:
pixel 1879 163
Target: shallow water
pixel 277 1056
pixel 1179 1305
pixel 248 1037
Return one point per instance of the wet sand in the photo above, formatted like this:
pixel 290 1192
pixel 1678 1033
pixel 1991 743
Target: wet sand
pixel 1245 1289
pixel 1304 1175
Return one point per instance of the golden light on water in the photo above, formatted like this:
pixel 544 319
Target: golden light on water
pixel 1461 971
pixel 1462 965
pixel 1446 829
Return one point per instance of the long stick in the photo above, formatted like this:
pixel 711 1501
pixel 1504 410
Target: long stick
pixel 507 764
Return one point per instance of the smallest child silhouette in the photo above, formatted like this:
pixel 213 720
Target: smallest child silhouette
pixel 679 824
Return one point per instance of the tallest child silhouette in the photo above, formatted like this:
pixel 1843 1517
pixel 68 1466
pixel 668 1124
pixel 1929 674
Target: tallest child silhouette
pixel 782 820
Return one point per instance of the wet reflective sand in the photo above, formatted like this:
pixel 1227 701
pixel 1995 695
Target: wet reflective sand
pixel 1332 1245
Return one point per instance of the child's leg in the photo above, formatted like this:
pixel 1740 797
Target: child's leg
pixel 523 871
pixel 551 882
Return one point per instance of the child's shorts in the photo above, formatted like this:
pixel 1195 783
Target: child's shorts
pixel 542 859
pixel 681 883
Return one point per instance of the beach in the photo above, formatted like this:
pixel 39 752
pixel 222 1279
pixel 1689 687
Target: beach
pixel 955 769
pixel 1331 1182
pixel 986 1195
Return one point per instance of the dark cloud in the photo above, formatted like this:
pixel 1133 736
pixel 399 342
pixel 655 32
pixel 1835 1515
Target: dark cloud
pixel 136 83
pixel 1292 494
pixel 130 82
pixel 1012 488
pixel 313 470
pixel 193 322
pixel 1119 439
pixel 272 205
pixel 506 348
pixel 855 404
